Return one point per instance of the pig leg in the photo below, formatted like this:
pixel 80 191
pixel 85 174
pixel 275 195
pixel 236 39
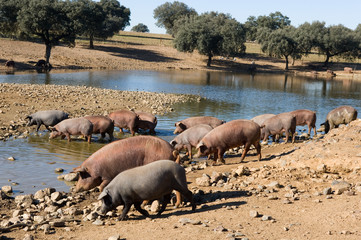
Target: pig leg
pixel 139 209
pixel 126 209
pixel 68 136
pixel 188 194
pixel 257 145
pixel 103 184
pixel 189 149
pixel 245 150
pixel 62 137
pixel 166 200
pixel 111 137
pixel 179 199
pixel 38 126
pixel 89 138
pixel 102 135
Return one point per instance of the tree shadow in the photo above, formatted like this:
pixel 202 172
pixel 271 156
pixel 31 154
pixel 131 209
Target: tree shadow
pixel 138 54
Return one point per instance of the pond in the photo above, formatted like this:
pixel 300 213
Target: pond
pixel 227 96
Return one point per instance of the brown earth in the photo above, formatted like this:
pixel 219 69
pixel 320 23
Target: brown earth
pixel 298 205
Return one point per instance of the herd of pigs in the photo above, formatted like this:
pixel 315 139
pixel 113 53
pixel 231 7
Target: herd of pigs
pixel 144 167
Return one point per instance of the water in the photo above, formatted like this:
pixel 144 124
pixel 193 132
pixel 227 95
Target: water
pixel 228 96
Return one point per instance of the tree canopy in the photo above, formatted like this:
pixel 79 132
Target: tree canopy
pixel 168 13
pixel 140 28
pixel 210 34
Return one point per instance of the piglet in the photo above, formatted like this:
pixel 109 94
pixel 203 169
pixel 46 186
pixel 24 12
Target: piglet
pixel 74 126
pixel 153 181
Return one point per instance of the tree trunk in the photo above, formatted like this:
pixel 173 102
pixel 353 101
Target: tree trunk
pixel 286 62
pixel 91 41
pixel 327 59
pixel 47 53
pixel 209 60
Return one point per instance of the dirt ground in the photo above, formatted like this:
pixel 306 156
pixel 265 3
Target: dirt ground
pixel 306 190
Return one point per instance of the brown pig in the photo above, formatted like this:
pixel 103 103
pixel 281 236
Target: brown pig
pixel 147 121
pixel 106 163
pixel 303 117
pixel 283 122
pixel 74 126
pixel 190 138
pixel 340 115
pixel 261 118
pixel 102 125
pixel 193 121
pixel 125 119
pixel 229 135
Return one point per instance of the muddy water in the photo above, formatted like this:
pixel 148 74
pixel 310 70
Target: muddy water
pixel 228 96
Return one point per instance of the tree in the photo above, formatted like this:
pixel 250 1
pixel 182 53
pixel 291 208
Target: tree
pixel 273 22
pixel 8 13
pixel 279 43
pixel 117 18
pixel 168 13
pixel 49 21
pixel 210 34
pixel 140 28
pixel 309 35
pixel 88 19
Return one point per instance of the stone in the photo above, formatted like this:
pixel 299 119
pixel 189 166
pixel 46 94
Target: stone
pixel 327 191
pixel 98 222
pixel 28 237
pixel 340 186
pixel 70 177
pixel 266 218
pixel 220 229
pixel 274 184
pixel 115 237
pixel 39 219
pixel 216 176
pixel 56 196
pixel 59 170
pixel 11 158
pixel 242 170
pixel 155 207
pixel 7 189
pixel 322 168
pixel 203 181
pixel 253 213
pixel 40 194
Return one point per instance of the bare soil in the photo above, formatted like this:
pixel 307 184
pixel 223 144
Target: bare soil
pixel 297 206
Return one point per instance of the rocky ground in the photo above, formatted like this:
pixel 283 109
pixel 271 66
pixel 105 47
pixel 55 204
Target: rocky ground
pixel 306 190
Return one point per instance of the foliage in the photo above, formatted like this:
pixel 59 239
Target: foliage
pixel 274 21
pixel 140 28
pixel 210 34
pixel 88 17
pixel 8 13
pixel 168 13
pixel 47 20
pixel 279 43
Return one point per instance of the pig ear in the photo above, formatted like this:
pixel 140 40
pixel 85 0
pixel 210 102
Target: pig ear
pixel 80 169
pixel 182 126
pixel 103 194
pixel 28 117
pixel 176 124
pixel 200 144
pixel 53 129
pixel 173 143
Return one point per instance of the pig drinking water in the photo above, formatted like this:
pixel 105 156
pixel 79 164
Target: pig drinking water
pixel 74 126
pixel 340 115
pixel 147 121
pixel 48 117
pixel 153 181
pixel 125 119
pixel 190 138
pixel 102 125
pixel 193 121
pixel 229 135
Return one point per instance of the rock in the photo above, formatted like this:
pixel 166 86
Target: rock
pixel 322 168
pixel 56 196
pixel 155 207
pixel 215 177
pixel 203 181
pixel 7 189
pixel 327 191
pixel 40 194
pixel 45 228
pixel 59 170
pixel 25 200
pixel 242 170
pixel 274 184
pixel 253 213
pixel 57 223
pixel 340 186
pixel 92 216
pixel 70 177
pixel 39 219
pixel 11 159
pixel 115 237
pixel 98 222
pixel 17 213
pixel 220 229
pixel 266 218
pixel 28 237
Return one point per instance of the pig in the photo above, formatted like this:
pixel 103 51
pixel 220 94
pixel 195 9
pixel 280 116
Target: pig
pixel 303 117
pixel 74 126
pixel 10 63
pixel 193 121
pixel 340 115
pixel 283 122
pixel 155 180
pixel 103 165
pixel 190 138
pixel 261 118
pixel 102 125
pixel 146 121
pixel 125 119
pixel 229 135
pixel 48 117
